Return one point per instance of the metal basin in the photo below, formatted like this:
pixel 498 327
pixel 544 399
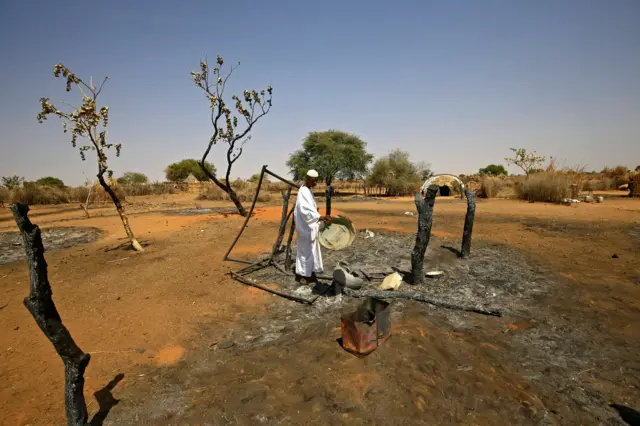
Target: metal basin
pixel 339 234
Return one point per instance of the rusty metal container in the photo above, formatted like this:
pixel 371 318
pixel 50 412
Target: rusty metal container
pixel 366 328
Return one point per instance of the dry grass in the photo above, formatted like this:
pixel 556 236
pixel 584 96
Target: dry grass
pixel 32 194
pixel 545 186
pixel 245 193
pixel 490 186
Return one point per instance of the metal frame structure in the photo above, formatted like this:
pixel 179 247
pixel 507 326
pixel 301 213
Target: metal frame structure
pixel 241 274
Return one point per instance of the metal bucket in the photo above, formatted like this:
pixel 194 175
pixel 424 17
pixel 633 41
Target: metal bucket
pixel 337 235
pixel 366 328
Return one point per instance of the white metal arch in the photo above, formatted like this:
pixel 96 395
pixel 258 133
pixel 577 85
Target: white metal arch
pixel 429 181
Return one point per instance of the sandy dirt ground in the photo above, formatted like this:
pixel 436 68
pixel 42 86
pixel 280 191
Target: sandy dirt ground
pixel 176 341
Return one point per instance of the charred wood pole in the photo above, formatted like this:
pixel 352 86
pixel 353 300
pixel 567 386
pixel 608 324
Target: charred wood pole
pixel 283 222
pixel 422 297
pixel 468 223
pixel 41 306
pixel 425 220
pixel 287 260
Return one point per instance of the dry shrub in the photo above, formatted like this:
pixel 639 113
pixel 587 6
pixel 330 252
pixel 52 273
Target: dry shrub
pixel 248 193
pixel 213 193
pixel 33 194
pixel 616 176
pixel 490 186
pixel 604 184
pixel 245 193
pixel 156 188
pixel 5 195
pixel 546 186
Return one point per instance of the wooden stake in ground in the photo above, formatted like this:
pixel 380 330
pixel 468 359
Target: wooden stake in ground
pixel 468 223
pixel 283 222
pixel 425 220
pixel 287 260
pixel 41 306
pixel 328 193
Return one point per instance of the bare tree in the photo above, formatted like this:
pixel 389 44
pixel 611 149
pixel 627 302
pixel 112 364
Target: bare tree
pixel 526 160
pixel 89 122
pixel 251 108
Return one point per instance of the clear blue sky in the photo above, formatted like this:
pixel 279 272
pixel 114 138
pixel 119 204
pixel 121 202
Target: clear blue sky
pixel 456 83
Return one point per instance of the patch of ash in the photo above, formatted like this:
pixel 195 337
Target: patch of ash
pixel 578 367
pixel 58 238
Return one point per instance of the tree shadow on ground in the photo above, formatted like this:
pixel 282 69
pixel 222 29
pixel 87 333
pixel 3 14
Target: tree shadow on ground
pixel 106 401
pixel 628 414
pixel 453 250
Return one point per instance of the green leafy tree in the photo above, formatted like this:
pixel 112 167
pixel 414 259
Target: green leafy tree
pixel 178 172
pixel 254 178
pixel 133 178
pixel 50 181
pixel 526 160
pixel 493 170
pixel 12 182
pixel 637 168
pixel 89 122
pixel 334 154
pixel 230 128
pixel 396 173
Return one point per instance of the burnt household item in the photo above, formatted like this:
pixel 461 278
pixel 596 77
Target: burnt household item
pixel 338 234
pixel 434 274
pixel 366 328
pixel 343 276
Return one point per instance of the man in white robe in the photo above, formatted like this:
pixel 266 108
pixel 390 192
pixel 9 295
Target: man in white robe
pixel 307 218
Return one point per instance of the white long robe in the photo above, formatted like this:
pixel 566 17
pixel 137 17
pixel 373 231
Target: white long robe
pixel 308 255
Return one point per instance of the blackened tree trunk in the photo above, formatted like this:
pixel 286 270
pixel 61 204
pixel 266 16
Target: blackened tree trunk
pixel 41 306
pixel 328 193
pixel 120 208
pixel 468 223
pixel 283 221
pixel 225 186
pixel 425 220
pixel 236 201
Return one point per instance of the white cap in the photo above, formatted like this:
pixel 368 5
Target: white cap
pixel 312 173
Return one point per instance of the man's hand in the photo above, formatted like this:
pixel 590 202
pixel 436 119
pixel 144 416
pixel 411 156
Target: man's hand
pixel 325 219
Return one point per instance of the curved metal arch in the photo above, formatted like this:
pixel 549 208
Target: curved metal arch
pixel 429 181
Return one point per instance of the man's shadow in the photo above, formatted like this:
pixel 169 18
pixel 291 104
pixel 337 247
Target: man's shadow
pixel 628 414
pixel 106 401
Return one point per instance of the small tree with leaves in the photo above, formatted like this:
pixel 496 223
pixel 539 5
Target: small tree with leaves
pixel 231 128
pixel 12 182
pixel 528 161
pixel 133 178
pixel 50 181
pixel 493 170
pixel 88 122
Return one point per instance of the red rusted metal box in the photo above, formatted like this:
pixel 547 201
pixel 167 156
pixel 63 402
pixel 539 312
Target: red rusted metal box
pixel 366 328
